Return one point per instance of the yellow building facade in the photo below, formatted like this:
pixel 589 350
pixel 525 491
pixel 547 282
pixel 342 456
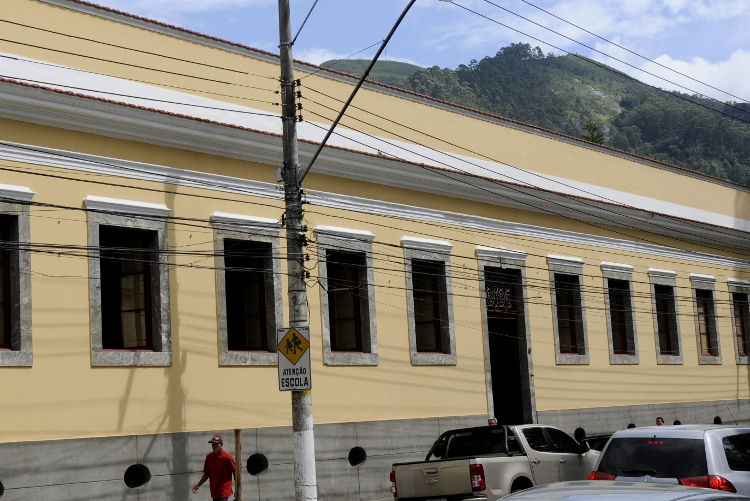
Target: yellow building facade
pixel 461 266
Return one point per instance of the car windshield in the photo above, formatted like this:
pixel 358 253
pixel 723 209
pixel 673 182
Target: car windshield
pixel 655 457
pixel 480 443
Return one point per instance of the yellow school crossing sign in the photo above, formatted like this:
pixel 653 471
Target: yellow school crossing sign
pixel 294 358
pixel 293 345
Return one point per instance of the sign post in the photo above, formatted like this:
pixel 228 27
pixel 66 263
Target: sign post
pixel 294 358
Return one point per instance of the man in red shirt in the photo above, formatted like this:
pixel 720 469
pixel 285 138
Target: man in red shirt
pixel 219 469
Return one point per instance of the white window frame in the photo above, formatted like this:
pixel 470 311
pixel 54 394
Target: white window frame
pixel 566 265
pixel 430 250
pixel 737 286
pixel 707 283
pixel 15 202
pixel 667 278
pixel 623 272
pixel 332 238
pixel 250 229
pixel 104 211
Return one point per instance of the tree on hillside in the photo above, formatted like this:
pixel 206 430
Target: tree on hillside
pixel 592 132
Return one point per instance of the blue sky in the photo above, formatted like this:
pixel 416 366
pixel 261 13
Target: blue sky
pixel 706 40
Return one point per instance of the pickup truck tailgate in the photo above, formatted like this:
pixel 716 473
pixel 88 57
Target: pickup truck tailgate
pixel 433 479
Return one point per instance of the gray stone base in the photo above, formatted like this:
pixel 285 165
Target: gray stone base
pixel 597 421
pixel 93 469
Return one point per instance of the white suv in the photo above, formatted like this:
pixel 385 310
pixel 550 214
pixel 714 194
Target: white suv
pixel 712 456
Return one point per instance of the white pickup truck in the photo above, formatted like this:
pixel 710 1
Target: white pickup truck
pixel 487 462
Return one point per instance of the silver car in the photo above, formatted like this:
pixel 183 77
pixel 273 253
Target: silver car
pixel 712 456
pixel 620 491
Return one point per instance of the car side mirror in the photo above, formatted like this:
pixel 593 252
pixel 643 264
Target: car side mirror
pixel 584 447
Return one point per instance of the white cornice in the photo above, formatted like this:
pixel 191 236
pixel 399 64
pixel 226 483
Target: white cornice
pixel 616 267
pixel 657 273
pixel 181 177
pixel 258 223
pixel 53 109
pixel 499 253
pixel 336 232
pixel 135 170
pixel 20 193
pixel 127 206
pixel 736 282
pixel 426 244
pixel 702 279
pixel 554 260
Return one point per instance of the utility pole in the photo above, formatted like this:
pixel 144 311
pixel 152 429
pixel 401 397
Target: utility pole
pixel 305 482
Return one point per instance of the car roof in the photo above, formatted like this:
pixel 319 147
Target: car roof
pixel 679 431
pixel 599 490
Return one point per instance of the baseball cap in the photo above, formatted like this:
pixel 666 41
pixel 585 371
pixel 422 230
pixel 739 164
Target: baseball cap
pixel 216 440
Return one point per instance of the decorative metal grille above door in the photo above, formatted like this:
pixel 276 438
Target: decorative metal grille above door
pixel 500 289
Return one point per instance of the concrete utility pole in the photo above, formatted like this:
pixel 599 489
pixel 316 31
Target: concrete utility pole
pixel 305 482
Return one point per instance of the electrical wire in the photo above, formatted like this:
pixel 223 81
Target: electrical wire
pixel 58 249
pixel 612 57
pixel 148 82
pixel 347 57
pixel 489 170
pixel 511 187
pixel 316 103
pixel 461 6
pixel 379 243
pixel 603 66
pixel 305 21
pixel 471 258
pixel 110 93
pixel 130 65
pixel 164 56
pixel 633 52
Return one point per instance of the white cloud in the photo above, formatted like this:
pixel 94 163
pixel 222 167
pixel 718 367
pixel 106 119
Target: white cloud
pixel 728 76
pixel 317 56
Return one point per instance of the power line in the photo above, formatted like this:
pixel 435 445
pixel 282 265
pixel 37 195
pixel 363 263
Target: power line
pixel 305 21
pixel 215 198
pixel 123 47
pixel 525 171
pixel 473 275
pixel 324 117
pixel 69 251
pixel 157 84
pixel 68 178
pixel 109 93
pixel 347 57
pixel 462 7
pixel 603 66
pixel 633 52
pixel 119 62
pixel 200 183
pixel 59 249
pixel 511 187
pixel 609 56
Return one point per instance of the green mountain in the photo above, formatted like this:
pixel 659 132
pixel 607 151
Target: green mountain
pixel 385 72
pixel 564 93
